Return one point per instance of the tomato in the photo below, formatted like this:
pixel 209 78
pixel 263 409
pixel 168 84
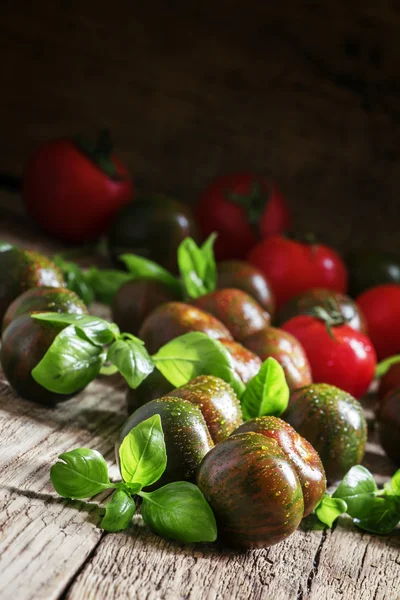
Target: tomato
pixel 381 308
pixel 346 360
pixel 293 267
pixel 241 207
pixel 369 268
pixel 72 189
pixel 389 425
pixel 390 381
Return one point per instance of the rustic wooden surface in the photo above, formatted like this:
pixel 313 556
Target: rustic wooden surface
pixel 307 92
pixel 53 549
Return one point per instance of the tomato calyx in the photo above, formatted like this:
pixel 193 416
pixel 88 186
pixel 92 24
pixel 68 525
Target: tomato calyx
pixel 330 315
pixel 253 202
pixel 99 152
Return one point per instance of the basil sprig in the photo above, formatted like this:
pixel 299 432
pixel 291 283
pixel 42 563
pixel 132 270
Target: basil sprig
pixel 143 268
pixel 372 509
pixel 267 393
pixel 197 266
pixel 176 511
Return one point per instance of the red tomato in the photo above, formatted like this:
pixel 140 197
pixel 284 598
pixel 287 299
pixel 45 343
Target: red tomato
pixel 348 361
pixel 390 381
pixel 381 308
pixel 73 191
pixel 241 207
pixel 293 267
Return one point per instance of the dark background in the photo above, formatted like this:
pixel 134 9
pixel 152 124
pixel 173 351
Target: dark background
pixel 306 92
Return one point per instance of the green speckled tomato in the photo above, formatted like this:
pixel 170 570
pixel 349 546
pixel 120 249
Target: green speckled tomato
pixel 44 299
pixel 186 436
pixel 23 345
pixel 246 363
pixel 389 425
pixel 253 489
pixel 154 386
pixel 299 452
pixel 21 270
pixel 333 422
pixel 241 275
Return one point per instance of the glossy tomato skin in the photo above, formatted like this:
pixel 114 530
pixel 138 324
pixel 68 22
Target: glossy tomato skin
pixel 347 360
pixel 253 489
pixel 390 381
pixel 389 425
pixel 68 195
pixel 381 307
pixel 241 275
pixel 153 387
pixel 293 267
pixel 369 268
pixel 299 452
pixel 246 363
pixel 216 211
pixel 287 350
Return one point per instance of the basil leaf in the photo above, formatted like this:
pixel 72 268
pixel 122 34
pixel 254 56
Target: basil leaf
pixel 267 393
pixel 119 512
pixel 70 363
pixel 81 473
pixel 96 330
pixel 381 514
pixel 395 483
pixel 383 367
pixel 329 509
pixel 180 512
pixel 357 489
pixel 143 268
pixel 142 454
pixel 131 359
pixel 105 283
pixel 75 279
pixel 197 267
pixel 192 354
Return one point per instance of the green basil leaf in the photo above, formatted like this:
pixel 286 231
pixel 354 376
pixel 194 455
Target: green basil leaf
pixel 80 473
pixel 131 359
pixel 75 279
pixel 105 283
pixel 142 455
pixel 119 512
pixel 210 274
pixel 381 514
pixel 357 489
pixel 395 483
pixel 180 512
pixel 192 354
pixel 5 246
pixel 70 363
pixel 143 268
pixel 267 393
pixel 197 267
pixel 383 367
pixel 329 509
pixel 96 330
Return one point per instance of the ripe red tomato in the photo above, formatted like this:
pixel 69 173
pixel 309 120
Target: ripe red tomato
pixel 381 308
pixel 241 207
pixel 72 190
pixel 346 360
pixel 293 267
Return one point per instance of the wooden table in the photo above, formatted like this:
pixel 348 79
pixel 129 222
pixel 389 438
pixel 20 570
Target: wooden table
pixel 52 548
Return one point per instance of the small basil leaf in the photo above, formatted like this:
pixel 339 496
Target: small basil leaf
pixel 119 512
pixel 142 455
pixel 131 359
pixel 180 512
pixel 70 363
pixel 105 283
pixel 143 268
pixel 197 267
pixel 395 483
pixel 329 509
pixel 193 354
pixel 96 330
pixel 75 279
pixel 357 489
pixel 210 272
pixel 80 473
pixel 267 393
pixel 383 367
pixel 381 514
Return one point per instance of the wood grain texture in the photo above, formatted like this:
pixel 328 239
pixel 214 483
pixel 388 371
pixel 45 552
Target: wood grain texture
pixel 307 93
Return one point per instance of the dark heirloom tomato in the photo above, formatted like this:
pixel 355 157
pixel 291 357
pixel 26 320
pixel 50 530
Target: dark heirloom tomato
pixel 217 401
pixel 241 275
pixel 287 350
pixel 333 422
pixel 253 489
pixel 389 425
pixel 299 452
pixel 369 268
pixel 152 227
pixel 44 299
pixel 381 307
pixel 246 363
pixel 135 300
pixel 154 386
pixel 21 270
pixel 23 345
pixel 238 311
pixel 186 436
pixel 320 297
pixel 390 381
pixel 173 319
